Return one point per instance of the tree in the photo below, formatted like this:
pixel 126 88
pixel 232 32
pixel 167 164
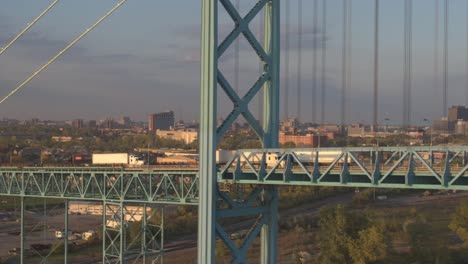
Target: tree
pixel 459 222
pixel 424 248
pixel 369 246
pixel 347 237
pixel 288 144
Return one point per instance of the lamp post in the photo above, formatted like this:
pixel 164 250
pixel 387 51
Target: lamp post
pixel 431 155
pixel 386 120
pixel 430 127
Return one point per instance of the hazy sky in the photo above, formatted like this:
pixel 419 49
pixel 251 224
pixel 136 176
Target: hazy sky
pixel 145 59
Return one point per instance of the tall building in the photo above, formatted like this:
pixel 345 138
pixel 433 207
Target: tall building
pixel 92 124
pixel 457 112
pixel 77 123
pixel 109 123
pixel 125 121
pixel 162 121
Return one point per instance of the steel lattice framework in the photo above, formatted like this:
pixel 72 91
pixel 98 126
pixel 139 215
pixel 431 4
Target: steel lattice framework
pixel 386 167
pixel 117 189
pixel 210 134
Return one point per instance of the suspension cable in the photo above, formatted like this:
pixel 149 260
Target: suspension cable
pixel 405 55
pixel 436 48
pixel 314 62
pixel 410 61
pixel 376 65
pixel 299 59
pixel 286 60
pixel 344 63
pixel 466 77
pixel 29 25
pixel 445 92
pixel 349 55
pixel 324 61
pixel 64 50
pixel 407 63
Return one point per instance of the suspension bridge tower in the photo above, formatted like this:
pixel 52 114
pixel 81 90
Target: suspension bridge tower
pixel 263 201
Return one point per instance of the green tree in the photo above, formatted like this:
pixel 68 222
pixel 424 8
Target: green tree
pixel 459 222
pixel 347 237
pixel 369 246
pixel 424 248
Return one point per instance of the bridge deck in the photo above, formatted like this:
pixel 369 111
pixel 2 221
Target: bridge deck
pixel 416 168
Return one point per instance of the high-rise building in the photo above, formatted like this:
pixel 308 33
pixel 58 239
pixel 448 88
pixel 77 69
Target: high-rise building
pixel 125 121
pixel 162 121
pixel 92 124
pixel 457 112
pixel 77 123
pixel 109 123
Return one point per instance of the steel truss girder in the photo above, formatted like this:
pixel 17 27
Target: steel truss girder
pixel 164 187
pixel 210 133
pixel 147 243
pixel 386 167
pixel 241 104
pixel 42 256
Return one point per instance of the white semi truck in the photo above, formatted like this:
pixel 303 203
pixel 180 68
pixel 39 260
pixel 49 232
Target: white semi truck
pixel 117 158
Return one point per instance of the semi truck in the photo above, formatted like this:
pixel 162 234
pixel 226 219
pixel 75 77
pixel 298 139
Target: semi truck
pixel 117 158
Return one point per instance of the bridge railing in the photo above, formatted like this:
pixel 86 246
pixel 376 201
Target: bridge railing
pixel 396 167
pixel 99 184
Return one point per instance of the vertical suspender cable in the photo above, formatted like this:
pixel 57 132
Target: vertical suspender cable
pixel 324 60
pixel 405 25
pixel 236 55
pixel 344 64
pixel 299 59
pixel 446 27
pixel 314 61
pixel 436 49
pixel 376 66
pixel 286 59
pixel 349 56
pixel 2 50
pixel 407 64
pixel 410 61
pixel 119 4
pixel 466 76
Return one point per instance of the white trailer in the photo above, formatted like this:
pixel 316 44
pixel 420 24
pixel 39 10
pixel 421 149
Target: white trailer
pixel 224 156
pixel 323 156
pixel 117 158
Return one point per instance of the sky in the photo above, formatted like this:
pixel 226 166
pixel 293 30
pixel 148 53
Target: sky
pixel 145 59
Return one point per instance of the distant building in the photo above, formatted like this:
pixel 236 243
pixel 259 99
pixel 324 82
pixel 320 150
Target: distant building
pixel 330 128
pixel 187 136
pixel 77 123
pixel 356 130
pixel 308 140
pixel 162 121
pixel 457 112
pixel 289 125
pixel 443 125
pixel 61 138
pixel 124 121
pixel 109 123
pixel 179 125
pixel 461 127
pixel 92 124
